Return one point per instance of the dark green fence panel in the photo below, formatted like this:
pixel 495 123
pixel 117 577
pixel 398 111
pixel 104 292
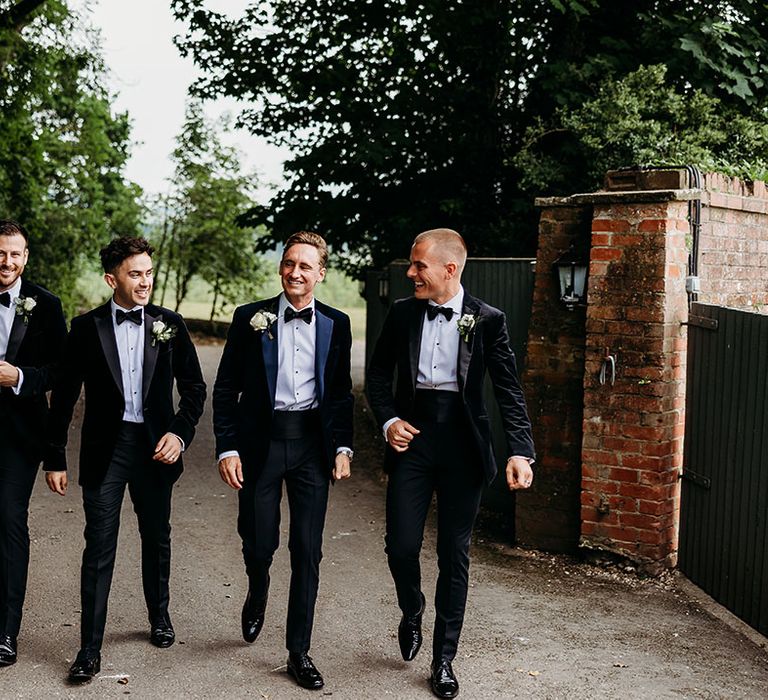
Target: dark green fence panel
pixel 724 501
pixel 506 283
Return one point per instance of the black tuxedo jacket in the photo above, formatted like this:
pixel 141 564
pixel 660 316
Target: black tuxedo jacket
pixel 91 360
pixel 244 392
pixel 487 349
pixel 35 347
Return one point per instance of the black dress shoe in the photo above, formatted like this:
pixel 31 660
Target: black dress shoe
pixel 86 666
pixel 7 650
pixel 442 680
pixel 161 633
pixel 409 633
pixel 252 619
pixel 302 669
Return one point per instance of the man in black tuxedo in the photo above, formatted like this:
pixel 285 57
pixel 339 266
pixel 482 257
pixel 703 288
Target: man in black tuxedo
pixel 127 353
pixel 282 412
pixel 32 335
pixel 442 341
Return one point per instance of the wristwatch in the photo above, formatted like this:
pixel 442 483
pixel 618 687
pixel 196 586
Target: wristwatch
pixel 347 451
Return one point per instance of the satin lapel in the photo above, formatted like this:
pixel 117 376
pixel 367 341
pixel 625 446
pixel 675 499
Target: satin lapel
pixel 18 331
pixel 470 306
pixel 324 330
pixel 269 352
pixel 106 332
pixel 150 354
pixel 414 339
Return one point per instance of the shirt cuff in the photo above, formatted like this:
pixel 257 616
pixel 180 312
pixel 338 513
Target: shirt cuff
pixel 183 446
pixel 531 460
pixel 228 453
pixel 343 449
pixel 17 388
pixel 387 424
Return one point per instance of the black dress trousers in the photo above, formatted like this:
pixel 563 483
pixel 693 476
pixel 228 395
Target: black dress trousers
pixel 440 460
pixel 150 491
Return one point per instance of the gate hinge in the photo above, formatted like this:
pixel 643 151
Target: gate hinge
pixel 710 324
pixel 698 479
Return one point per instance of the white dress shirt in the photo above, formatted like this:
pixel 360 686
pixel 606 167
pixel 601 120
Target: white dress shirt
pixel 7 316
pixel 439 352
pixel 296 339
pixel 130 349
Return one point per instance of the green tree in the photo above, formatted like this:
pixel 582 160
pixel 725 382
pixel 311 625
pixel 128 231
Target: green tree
pixel 199 236
pixel 406 114
pixel 62 149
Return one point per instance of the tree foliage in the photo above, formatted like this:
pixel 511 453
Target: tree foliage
pixel 62 149
pixel 407 114
pixel 198 235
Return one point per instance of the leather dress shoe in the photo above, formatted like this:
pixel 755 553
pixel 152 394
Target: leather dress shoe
pixel 409 633
pixel 161 633
pixel 252 619
pixel 7 650
pixel 86 666
pixel 304 672
pixel 442 680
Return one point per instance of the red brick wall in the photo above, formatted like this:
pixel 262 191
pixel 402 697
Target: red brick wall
pixel 733 249
pixel 548 515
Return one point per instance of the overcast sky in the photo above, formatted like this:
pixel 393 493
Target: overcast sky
pixel 151 79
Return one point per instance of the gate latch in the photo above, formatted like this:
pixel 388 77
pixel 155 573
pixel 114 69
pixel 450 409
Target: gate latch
pixel 704 481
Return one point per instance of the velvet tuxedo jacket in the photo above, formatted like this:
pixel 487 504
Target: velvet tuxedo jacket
pixel 92 361
pixel 244 392
pixel 35 346
pixel 487 350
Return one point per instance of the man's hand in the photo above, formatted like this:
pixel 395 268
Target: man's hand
pixel 168 449
pixel 342 468
pixel 9 375
pixel 519 473
pixel 400 434
pixel 57 482
pixel 231 472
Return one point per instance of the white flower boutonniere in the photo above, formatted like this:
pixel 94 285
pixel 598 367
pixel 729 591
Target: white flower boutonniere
pixel 162 332
pixel 263 321
pixel 24 307
pixel 466 324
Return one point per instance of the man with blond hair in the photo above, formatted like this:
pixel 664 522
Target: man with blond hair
pixel 282 412
pixel 442 342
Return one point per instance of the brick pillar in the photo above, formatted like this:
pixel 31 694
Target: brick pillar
pixel 547 516
pixel 633 430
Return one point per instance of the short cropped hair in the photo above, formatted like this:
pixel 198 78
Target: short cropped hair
pixel 309 238
pixel 119 249
pixel 450 243
pixel 9 227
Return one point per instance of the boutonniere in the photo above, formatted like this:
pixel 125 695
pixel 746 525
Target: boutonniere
pixel 466 324
pixel 263 321
pixel 162 332
pixel 24 307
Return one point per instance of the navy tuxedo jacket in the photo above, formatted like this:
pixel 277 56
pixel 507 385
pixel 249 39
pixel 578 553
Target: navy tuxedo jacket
pixel 91 360
pixel 244 392
pixel 35 347
pixel 487 350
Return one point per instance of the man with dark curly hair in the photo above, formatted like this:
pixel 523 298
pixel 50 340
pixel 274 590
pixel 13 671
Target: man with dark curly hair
pixel 127 353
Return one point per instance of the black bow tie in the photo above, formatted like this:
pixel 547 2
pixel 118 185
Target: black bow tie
pixel 305 314
pixel 134 316
pixel 433 311
pixel 5 299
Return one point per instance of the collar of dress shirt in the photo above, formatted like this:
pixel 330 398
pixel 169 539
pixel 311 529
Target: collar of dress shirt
pixel 456 302
pixel 115 307
pixel 283 304
pixel 15 291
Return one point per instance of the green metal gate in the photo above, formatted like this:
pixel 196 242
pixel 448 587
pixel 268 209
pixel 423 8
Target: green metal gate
pixel 724 502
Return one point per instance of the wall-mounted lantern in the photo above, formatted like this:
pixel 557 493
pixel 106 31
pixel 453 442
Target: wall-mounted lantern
pixel 384 286
pixel 571 272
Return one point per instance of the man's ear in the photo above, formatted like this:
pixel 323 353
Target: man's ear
pixel 110 280
pixel 450 269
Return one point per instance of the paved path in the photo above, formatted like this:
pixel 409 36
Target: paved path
pixel 537 626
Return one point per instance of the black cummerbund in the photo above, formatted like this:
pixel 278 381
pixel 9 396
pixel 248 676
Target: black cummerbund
pixel 292 425
pixel 436 406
